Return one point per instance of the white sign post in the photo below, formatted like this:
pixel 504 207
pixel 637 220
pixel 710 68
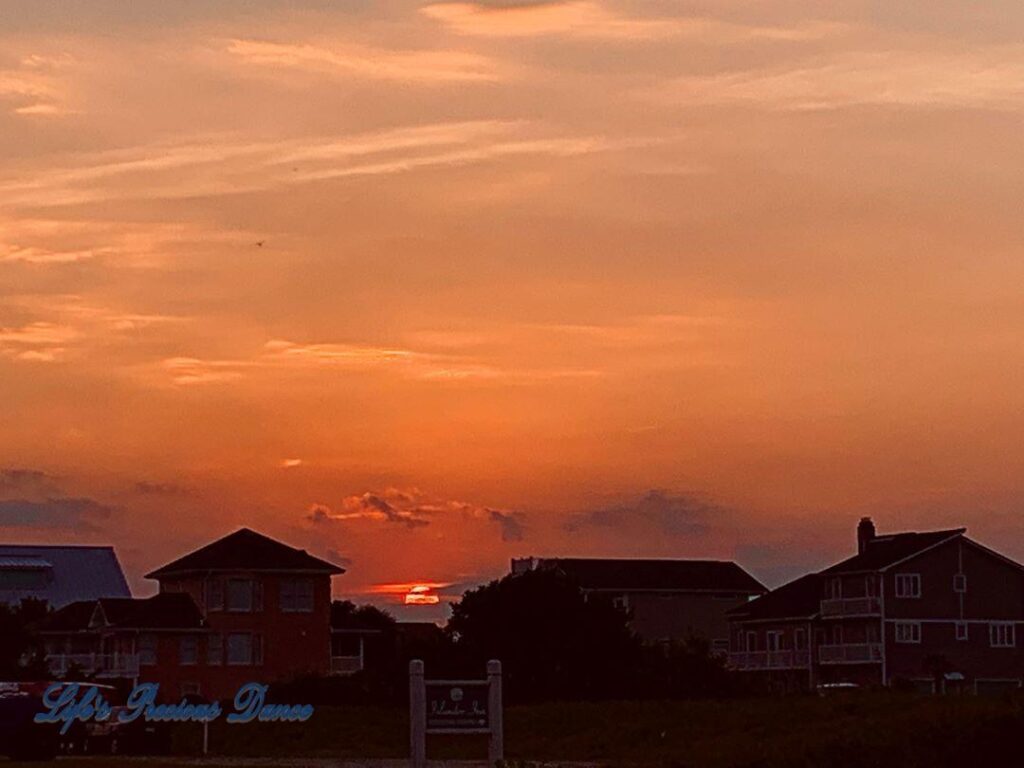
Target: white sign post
pixel 459 707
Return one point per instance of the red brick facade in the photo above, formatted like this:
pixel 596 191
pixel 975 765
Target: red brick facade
pixel 265 642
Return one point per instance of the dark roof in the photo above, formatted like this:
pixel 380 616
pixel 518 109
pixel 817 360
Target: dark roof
pixel 168 610
pixel 246 550
pixel 66 574
pixel 69 618
pixel 798 599
pixel 886 550
pixel 702 575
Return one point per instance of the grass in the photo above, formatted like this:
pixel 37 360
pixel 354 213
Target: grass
pixel 867 730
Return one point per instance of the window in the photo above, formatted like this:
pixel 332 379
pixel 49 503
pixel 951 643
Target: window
pixel 215 650
pixel 800 639
pixel 257 650
pixel 908 632
pixel 147 649
pixel 240 649
pixel 908 585
pixel 1001 634
pixel 751 641
pixel 961 630
pixel 296 595
pixel 834 589
pixel 959 582
pixel 214 595
pixel 774 638
pixel 244 595
pixel 621 602
pixel 188 650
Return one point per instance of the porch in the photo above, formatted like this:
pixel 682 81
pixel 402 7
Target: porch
pixel 115 665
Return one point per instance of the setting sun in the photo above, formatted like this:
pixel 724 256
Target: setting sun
pixel 421 595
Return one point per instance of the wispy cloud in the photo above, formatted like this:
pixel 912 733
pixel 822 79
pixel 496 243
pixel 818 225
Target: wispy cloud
pixel 68 326
pixel 349 60
pixel 585 19
pixel 35 87
pixel 38 342
pixel 280 354
pixel 210 166
pixel 990 78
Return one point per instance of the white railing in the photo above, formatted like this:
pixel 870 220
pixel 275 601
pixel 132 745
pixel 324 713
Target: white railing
pixel 346 665
pixel 754 660
pixel 851 606
pixel 98 664
pixel 850 653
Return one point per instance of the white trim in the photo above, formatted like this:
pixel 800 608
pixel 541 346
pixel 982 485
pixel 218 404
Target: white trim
pixel 1011 635
pixel 911 586
pixel 965 626
pixel 954 620
pixel 915 626
pixel 959 532
pixel 993 553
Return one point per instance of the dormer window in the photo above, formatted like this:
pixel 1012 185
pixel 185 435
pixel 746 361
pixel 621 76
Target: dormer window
pixel 908 585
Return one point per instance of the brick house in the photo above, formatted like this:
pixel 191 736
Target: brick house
pixel 935 610
pixel 243 608
pixel 666 599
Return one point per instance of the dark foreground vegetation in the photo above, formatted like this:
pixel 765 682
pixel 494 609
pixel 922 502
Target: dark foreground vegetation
pixel 860 730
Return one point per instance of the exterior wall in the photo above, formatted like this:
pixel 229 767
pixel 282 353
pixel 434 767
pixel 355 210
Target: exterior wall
pixel 659 616
pixel 292 643
pixel 995 592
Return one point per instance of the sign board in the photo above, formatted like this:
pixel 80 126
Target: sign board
pixel 457 705
pixel 454 707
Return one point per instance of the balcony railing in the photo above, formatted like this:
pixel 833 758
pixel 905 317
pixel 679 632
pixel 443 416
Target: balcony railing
pixel 346 665
pixel 851 606
pixel 97 664
pixel 850 653
pixel 758 660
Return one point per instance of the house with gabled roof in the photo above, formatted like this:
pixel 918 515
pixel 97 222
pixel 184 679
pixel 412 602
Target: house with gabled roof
pixel 667 599
pixel 243 608
pixel 934 610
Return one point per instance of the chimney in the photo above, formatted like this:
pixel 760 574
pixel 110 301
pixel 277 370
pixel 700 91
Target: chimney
pixel 865 533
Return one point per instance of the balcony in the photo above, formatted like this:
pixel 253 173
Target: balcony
pixel 95 664
pixel 850 653
pixel 346 665
pixel 851 606
pixel 750 661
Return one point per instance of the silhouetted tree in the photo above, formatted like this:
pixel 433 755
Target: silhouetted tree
pixel 21 658
pixel 554 642
pixel 345 613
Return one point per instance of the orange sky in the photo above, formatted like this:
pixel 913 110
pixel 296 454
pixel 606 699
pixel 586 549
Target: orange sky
pixel 424 286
